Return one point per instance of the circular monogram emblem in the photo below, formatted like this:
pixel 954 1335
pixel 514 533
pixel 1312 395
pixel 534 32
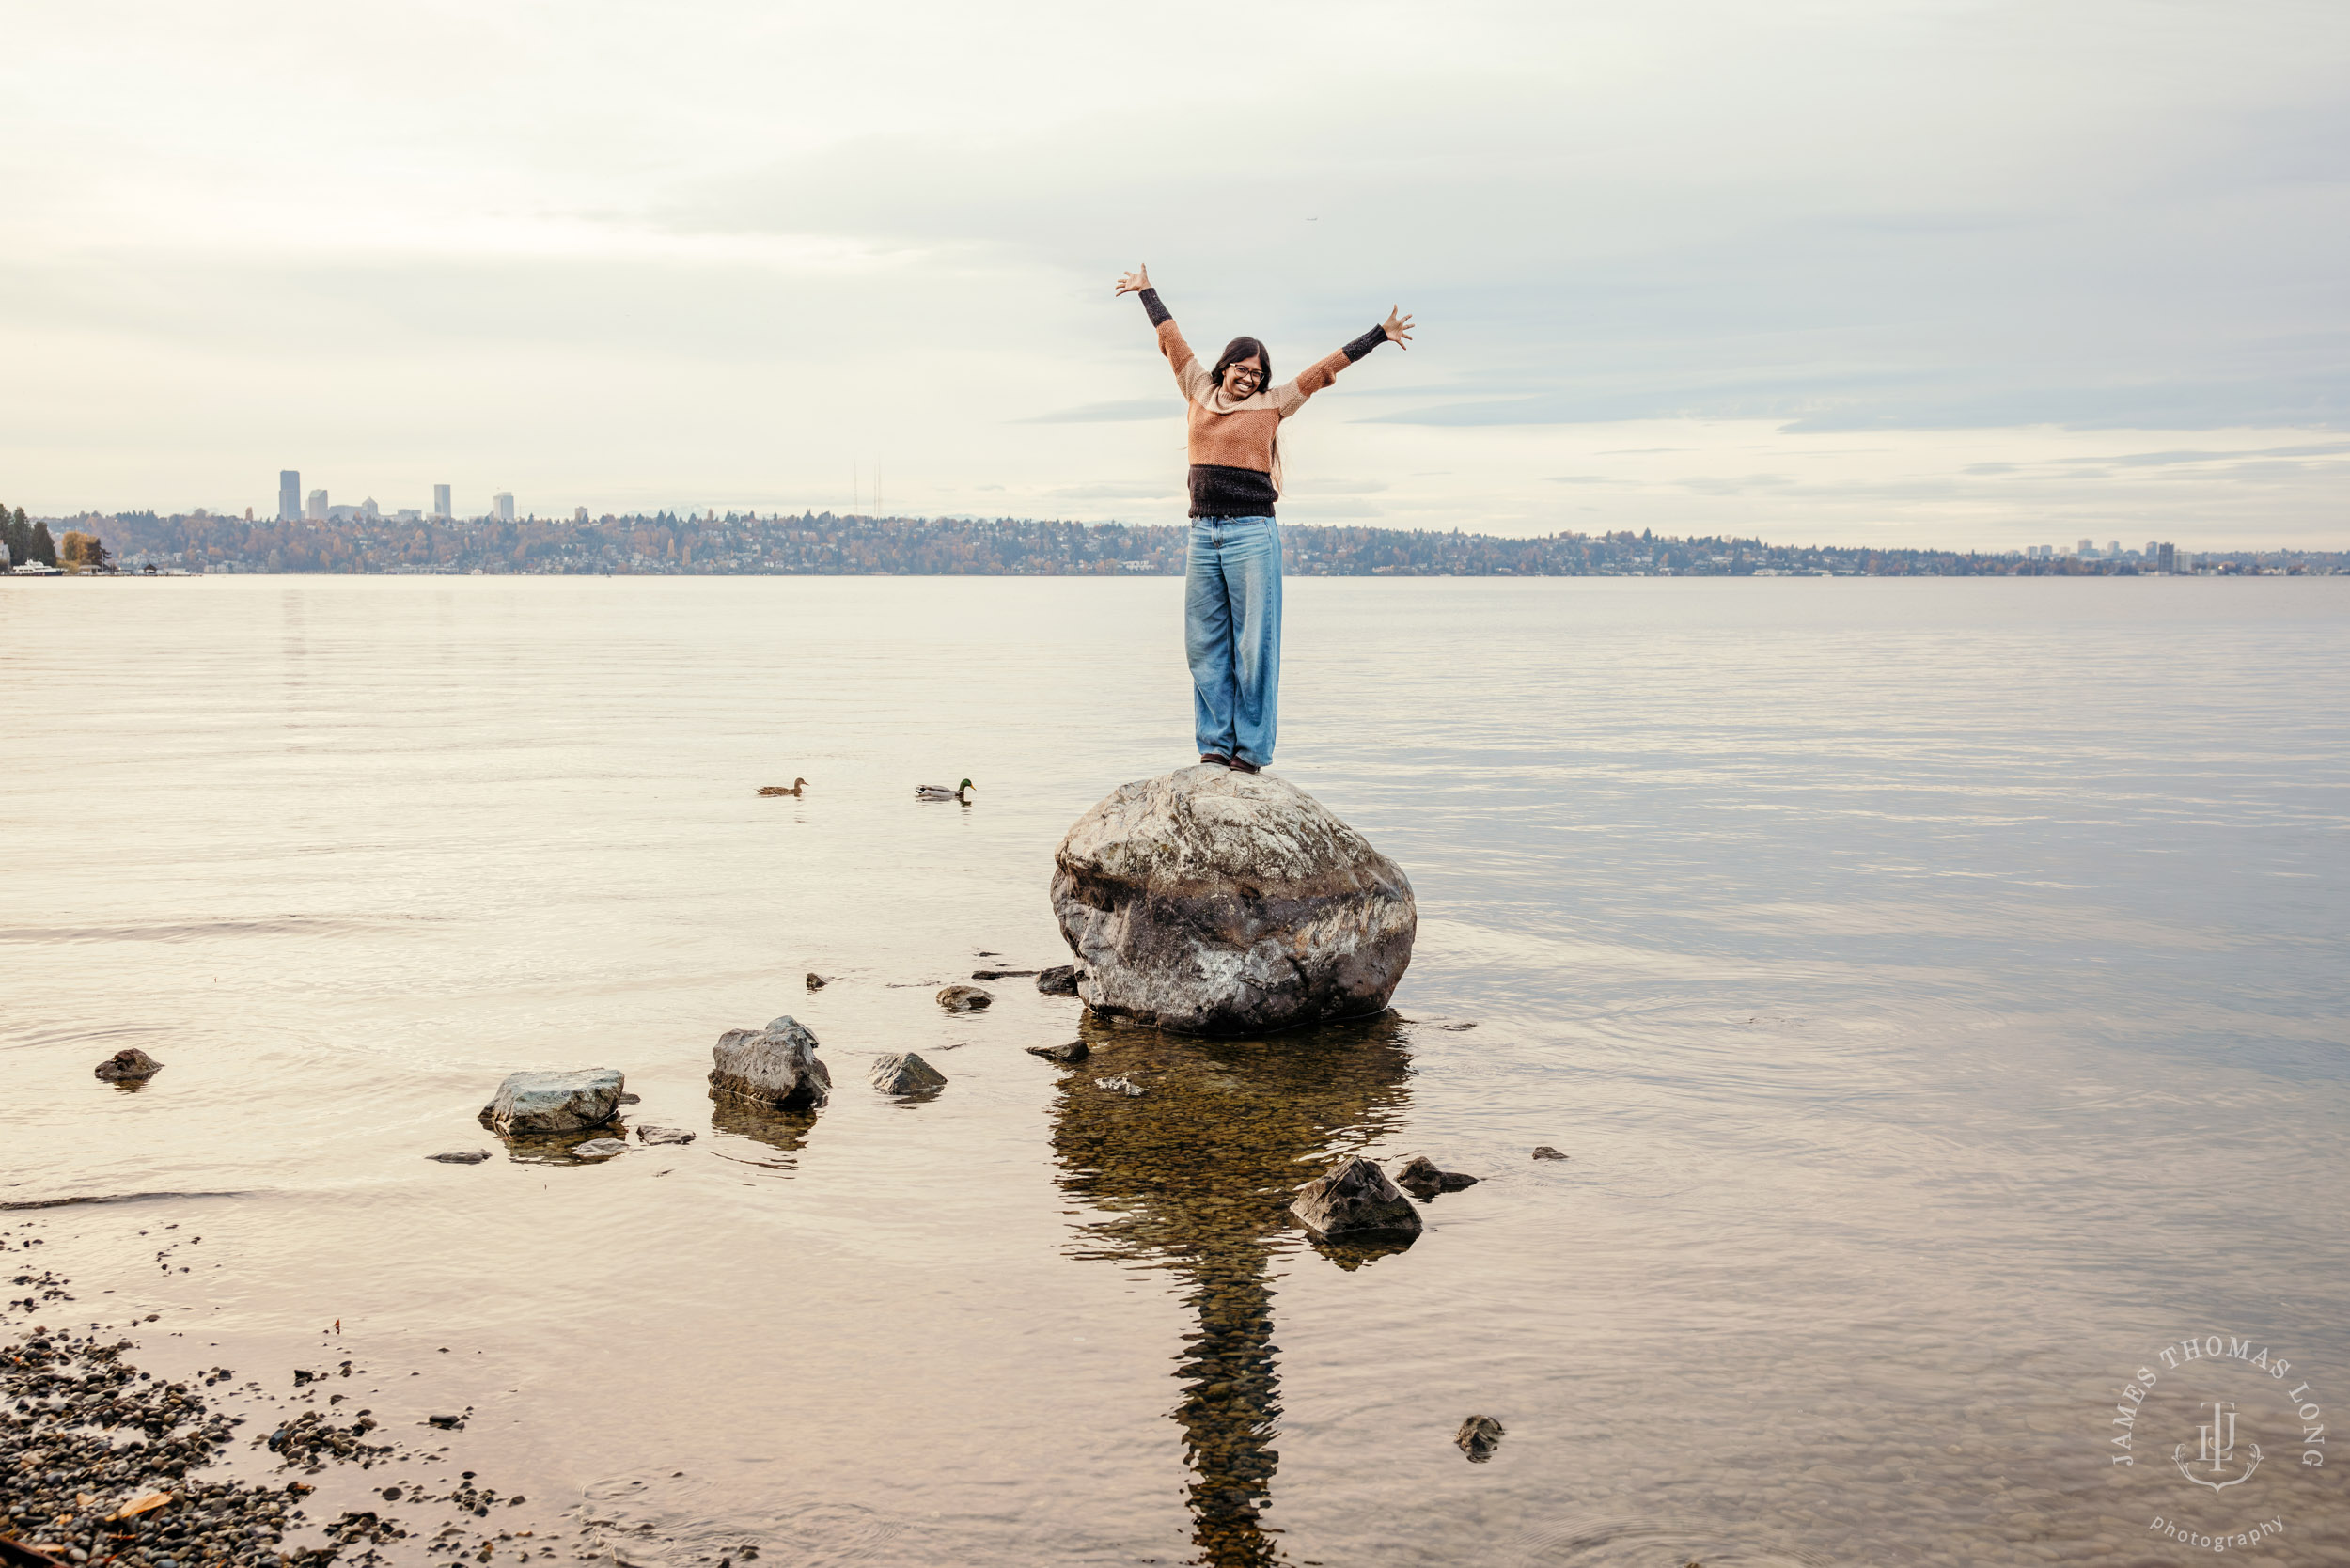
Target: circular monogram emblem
pixel 2201 1424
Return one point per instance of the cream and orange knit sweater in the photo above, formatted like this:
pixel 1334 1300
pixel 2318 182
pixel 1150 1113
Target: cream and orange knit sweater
pixel 1231 438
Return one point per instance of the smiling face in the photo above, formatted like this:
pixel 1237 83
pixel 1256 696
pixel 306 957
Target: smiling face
pixel 1242 376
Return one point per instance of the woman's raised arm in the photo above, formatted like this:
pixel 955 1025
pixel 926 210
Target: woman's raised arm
pixel 1189 374
pixel 1291 396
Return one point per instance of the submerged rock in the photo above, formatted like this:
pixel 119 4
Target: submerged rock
pixel 1478 1437
pixel 1353 1199
pixel 1120 1085
pixel 555 1102
pixel 774 1066
pixel 1059 980
pixel 461 1156
pixel 903 1072
pixel 1001 973
pixel 1208 902
pixel 600 1147
pixel 963 998
pixel 1077 1050
pixel 127 1065
pixel 1544 1152
pixel 664 1134
pixel 1421 1177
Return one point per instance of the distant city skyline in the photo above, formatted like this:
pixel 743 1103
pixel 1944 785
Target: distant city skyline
pixel 2159 555
pixel 1890 270
pixel 361 539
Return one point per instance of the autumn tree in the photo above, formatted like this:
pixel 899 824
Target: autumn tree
pixel 82 551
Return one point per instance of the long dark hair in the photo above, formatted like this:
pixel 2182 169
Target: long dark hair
pixel 1250 348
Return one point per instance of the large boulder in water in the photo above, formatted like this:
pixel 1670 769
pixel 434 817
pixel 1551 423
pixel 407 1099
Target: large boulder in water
pixel 1210 901
pixel 556 1102
pixel 774 1066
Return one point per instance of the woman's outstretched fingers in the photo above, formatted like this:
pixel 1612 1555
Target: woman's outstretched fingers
pixel 1135 281
pixel 1398 327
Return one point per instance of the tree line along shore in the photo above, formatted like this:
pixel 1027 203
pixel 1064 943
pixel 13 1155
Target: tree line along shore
pixel 826 544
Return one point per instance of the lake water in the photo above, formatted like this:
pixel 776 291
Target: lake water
pixel 1939 989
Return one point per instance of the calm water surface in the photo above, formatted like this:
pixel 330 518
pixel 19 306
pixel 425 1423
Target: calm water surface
pixel 1938 987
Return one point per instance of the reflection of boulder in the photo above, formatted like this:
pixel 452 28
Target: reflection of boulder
pixel 783 1131
pixel 569 1148
pixel 1217 902
pixel 1197 1175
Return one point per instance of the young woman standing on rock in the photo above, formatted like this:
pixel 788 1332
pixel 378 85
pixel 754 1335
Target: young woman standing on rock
pixel 1232 579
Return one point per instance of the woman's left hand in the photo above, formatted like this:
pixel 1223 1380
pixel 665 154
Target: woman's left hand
pixel 1398 327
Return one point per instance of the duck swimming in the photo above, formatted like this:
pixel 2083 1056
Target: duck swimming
pixel 797 785
pixel 939 792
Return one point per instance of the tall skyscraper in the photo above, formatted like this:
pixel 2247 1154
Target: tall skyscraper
pixel 316 512
pixel 2167 558
pixel 289 494
pixel 505 504
pixel 440 502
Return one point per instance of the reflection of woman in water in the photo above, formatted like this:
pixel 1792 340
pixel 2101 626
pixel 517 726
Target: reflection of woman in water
pixel 1232 586
pixel 1196 1178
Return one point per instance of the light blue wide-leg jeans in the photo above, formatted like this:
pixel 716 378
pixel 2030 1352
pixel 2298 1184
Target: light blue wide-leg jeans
pixel 1232 633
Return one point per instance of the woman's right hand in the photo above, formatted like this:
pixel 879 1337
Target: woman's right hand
pixel 1134 282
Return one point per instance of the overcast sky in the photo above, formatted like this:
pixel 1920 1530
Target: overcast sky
pixel 1905 272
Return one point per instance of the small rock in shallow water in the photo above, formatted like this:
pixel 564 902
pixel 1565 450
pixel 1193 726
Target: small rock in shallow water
pixel 127 1064
pixel 1077 1050
pixel 631 1099
pixel 1001 973
pixel 1478 1437
pixel 903 1072
pixel 1544 1152
pixel 664 1134
pixel 1120 1085
pixel 461 1157
pixel 1356 1197
pixel 1421 1177
pixel 1058 982
pixel 963 998
pixel 601 1148
pixel 815 982
pixel 1456 1028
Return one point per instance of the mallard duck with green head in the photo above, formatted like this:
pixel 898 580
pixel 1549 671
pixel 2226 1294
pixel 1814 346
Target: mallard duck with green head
pixel 939 792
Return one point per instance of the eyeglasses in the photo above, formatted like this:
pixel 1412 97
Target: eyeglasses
pixel 1247 372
